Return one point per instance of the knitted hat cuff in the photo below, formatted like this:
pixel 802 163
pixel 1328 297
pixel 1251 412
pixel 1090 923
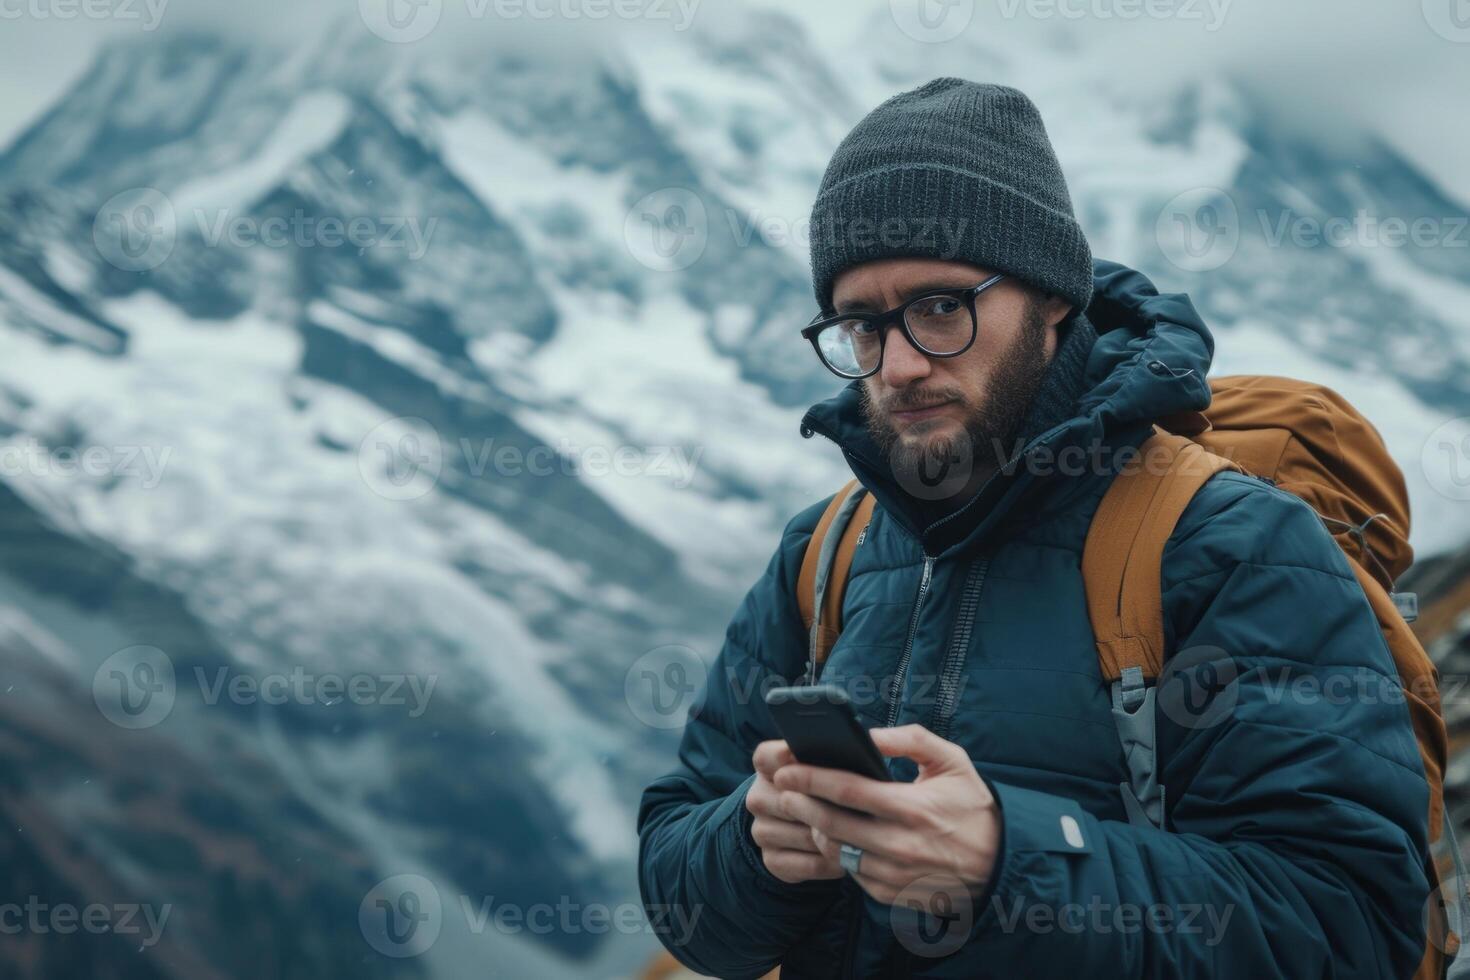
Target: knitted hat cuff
pixel 981 222
pixel 951 170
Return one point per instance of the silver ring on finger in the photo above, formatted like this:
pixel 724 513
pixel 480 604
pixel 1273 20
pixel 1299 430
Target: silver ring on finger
pixel 850 858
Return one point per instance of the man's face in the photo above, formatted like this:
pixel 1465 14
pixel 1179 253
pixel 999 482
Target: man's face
pixel 918 407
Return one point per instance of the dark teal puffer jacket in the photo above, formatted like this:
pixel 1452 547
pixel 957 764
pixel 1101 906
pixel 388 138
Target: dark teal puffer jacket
pixel 1296 832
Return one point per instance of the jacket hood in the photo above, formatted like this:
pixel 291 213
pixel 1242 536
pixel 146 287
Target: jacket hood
pixel 1149 361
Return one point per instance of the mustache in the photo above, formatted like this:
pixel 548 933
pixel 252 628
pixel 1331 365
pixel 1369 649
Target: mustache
pixel 908 401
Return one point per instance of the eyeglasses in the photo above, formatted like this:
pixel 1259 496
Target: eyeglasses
pixel 940 323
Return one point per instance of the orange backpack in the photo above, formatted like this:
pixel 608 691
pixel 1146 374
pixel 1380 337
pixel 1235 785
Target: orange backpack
pixel 1307 440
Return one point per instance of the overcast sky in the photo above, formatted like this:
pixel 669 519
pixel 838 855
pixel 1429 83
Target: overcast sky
pixel 1401 68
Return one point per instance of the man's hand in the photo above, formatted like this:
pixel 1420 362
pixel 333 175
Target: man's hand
pixel 787 846
pixel 937 835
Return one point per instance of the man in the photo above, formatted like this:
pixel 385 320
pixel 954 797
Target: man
pixel 1296 833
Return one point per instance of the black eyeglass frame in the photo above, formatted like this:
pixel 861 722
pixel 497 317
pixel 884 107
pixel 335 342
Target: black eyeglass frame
pixel 898 314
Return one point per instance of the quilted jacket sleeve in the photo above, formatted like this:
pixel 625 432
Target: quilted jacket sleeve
pixel 698 868
pixel 1296 799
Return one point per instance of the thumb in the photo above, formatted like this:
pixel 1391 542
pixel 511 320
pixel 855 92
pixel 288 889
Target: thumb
pixel 932 753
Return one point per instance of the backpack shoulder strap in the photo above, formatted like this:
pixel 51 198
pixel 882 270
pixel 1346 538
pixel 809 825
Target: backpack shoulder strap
pixel 1122 560
pixel 1122 572
pixel 822 580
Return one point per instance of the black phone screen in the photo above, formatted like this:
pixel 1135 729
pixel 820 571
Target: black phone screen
pixel 819 724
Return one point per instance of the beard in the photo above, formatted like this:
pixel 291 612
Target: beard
pixel 938 464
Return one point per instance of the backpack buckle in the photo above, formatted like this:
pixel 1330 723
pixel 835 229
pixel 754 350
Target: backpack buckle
pixel 1407 603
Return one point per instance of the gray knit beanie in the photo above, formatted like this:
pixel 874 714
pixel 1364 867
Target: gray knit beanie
pixel 951 170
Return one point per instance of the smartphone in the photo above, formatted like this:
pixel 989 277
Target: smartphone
pixel 820 725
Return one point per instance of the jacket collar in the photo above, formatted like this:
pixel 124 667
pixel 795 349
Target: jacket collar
pixel 1149 361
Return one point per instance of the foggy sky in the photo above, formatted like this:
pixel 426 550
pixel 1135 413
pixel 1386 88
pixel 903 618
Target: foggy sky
pixel 1330 64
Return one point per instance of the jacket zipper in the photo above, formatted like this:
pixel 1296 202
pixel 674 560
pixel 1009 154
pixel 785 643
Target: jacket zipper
pixel 895 699
pixel 954 662
pixel 959 647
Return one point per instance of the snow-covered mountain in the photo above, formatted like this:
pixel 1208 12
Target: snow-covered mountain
pixel 480 372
